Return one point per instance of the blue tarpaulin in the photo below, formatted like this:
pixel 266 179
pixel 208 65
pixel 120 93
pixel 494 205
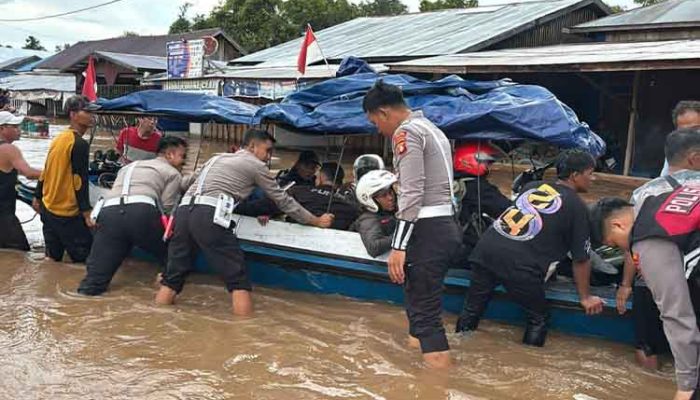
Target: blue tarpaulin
pixel 193 107
pixel 463 109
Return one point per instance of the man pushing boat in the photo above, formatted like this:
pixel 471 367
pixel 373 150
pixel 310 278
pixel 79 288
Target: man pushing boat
pixel 204 219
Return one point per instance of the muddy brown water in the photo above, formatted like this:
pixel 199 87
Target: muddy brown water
pixel 55 344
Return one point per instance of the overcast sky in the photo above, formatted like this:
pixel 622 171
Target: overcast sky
pixel 142 16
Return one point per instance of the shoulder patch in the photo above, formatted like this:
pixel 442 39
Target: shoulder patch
pixel 399 141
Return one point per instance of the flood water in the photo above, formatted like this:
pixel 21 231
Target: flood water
pixel 55 344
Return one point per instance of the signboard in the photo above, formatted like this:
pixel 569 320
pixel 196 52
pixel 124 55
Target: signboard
pixel 207 86
pixel 185 58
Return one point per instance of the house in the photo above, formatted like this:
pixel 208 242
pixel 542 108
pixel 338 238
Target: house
pixel 122 62
pixel 625 85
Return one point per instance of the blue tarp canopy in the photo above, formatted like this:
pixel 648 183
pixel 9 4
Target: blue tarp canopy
pixel 193 107
pixel 463 109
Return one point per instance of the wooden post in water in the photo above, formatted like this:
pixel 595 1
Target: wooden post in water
pixel 629 151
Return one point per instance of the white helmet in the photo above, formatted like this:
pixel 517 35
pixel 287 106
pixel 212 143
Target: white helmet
pixel 366 163
pixel 371 183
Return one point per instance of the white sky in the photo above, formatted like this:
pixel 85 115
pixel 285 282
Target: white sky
pixel 142 16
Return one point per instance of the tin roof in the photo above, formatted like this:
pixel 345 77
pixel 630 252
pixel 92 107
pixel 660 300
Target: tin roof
pixel 135 45
pixel 33 82
pixel 135 62
pixel 423 34
pixel 605 56
pixel 669 14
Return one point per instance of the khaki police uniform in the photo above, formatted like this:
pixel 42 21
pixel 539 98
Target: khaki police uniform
pixel 426 228
pixel 130 216
pixel 225 179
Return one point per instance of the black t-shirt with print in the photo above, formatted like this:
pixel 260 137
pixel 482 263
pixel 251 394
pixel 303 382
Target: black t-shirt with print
pixel 546 222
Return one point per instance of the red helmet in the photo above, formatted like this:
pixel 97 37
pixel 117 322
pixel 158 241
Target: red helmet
pixel 474 158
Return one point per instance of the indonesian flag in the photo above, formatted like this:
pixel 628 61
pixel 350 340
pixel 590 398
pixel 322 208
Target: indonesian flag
pixel 90 82
pixel 310 51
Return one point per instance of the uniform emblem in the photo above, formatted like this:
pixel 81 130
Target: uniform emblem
pixel 399 140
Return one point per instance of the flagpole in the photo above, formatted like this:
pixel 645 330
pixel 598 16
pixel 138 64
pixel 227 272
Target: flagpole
pixel 320 48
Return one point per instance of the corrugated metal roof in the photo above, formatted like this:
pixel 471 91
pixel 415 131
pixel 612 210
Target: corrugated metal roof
pixel 135 62
pixel 670 13
pixel 271 73
pixel 141 45
pixel 27 82
pixel 422 34
pixel 8 53
pixel 606 56
pixel 14 63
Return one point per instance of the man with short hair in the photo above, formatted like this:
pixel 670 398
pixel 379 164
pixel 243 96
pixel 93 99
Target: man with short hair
pixel 426 237
pixel 686 114
pixel 546 222
pixel 204 219
pixel 63 187
pixel 131 214
pixel 303 172
pixel 662 232
pixel 12 163
pixel 139 142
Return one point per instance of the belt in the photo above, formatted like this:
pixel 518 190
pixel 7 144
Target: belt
pixel 443 210
pixel 135 199
pixel 204 200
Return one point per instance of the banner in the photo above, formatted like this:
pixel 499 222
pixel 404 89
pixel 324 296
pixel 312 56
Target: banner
pixel 185 58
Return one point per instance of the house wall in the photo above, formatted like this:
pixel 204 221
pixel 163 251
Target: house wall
pixel 652 35
pixel 551 32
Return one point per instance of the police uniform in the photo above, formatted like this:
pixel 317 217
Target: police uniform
pixel 426 228
pixel 227 178
pixel 665 243
pixel 130 216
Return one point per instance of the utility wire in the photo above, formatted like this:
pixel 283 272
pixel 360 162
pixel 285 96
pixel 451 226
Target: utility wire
pixel 61 14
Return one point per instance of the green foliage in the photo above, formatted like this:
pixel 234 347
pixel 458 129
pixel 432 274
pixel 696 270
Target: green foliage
pixel 258 24
pixel 434 5
pixel 645 3
pixel 32 43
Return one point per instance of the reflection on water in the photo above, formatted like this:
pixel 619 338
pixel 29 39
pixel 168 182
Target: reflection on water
pixel 55 344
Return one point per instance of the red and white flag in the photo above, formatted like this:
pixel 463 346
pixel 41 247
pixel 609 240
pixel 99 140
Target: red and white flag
pixel 310 51
pixel 90 82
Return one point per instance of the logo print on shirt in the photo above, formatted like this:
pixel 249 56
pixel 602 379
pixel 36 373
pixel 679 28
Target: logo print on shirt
pixel 682 201
pixel 523 221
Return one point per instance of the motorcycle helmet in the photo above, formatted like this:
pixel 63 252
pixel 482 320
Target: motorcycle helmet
pixel 366 163
pixel 371 183
pixel 474 158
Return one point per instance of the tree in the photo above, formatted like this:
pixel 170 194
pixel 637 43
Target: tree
pixel 645 3
pixel 129 34
pixel 60 48
pixel 32 43
pixel 434 5
pixel 181 24
pixel 376 8
pixel 617 9
pixel 320 14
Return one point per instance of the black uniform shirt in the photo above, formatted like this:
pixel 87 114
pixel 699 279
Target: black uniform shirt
pixel 546 222
pixel 315 199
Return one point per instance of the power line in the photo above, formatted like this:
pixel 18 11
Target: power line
pixel 61 14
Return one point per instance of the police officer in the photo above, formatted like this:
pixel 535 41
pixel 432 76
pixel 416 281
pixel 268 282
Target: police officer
pixel 662 232
pixel 130 215
pixel 203 219
pixel 426 235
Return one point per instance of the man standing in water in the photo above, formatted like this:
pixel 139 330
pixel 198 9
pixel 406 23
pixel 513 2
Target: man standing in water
pixel 139 142
pixel 426 236
pixel 63 187
pixel 11 163
pixel 546 222
pixel 662 233
pixel 204 219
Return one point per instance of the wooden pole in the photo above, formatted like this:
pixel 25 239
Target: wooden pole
pixel 629 151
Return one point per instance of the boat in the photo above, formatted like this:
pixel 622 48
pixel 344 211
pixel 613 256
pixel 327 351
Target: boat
pixel 330 262
pixel 296 257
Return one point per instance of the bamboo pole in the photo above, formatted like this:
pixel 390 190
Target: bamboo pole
pixel 629 151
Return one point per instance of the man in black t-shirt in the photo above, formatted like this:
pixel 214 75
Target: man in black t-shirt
pixel 546 222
